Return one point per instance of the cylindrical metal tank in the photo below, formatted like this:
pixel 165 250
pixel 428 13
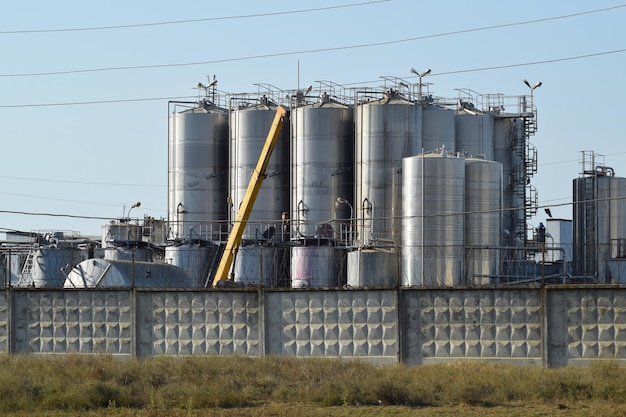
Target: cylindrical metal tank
pixel 599 221
pixel 373 267
pixel 475 134
pixel 483 220
pixel 387 130
pixel 322 151
pixel 102 273
pixel 198 173
pixel 437 128
pixel 120 233
pixel 128 253
pixel 195 260
pixel 433 191
pixel 249 127
pixel 506 133
pixel 48 263
pixel 317 266
pixel 259 265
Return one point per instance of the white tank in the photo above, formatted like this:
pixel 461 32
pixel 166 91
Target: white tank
pixel 433 191
pixel 259 265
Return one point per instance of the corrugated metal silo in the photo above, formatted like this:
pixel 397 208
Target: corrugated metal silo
pixel 599 221
pixel 433 220
pixel 322 157
pixel 198 173
pixel 483 220
pixel 437 128
pixel 387 130
pixel 475 134
pixel 249 127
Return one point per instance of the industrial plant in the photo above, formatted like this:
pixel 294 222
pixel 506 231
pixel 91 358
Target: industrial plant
pixel 345 188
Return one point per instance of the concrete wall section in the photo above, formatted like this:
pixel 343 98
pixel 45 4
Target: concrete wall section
pixel 73 322
pixel 353 323
pixel 453 325
pixel 591 325
pixel 198 323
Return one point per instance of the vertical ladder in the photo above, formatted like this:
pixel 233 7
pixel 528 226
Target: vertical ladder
pixel 27 270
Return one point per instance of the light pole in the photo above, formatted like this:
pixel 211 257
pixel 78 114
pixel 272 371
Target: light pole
pixel 532 89
pixel 420 75
pixel 137 204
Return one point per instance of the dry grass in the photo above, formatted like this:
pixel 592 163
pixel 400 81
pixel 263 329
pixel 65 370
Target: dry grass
pixel 225 386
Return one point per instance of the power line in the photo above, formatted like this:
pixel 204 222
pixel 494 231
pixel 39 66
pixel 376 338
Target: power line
pixel 549 61
pixel 179 22
pixel 80 182
pixel 339 48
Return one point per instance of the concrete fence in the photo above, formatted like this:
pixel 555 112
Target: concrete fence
pixel 549 326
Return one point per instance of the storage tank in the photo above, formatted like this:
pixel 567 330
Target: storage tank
pixel 433 219
pixel 437 128
pixel 483 224
pixel 195 259
pixel 317 266
pixel 387 130
pixel 475 134
pixel 198 172
pixel 122 240
pixel 322 157
pixel 48 264
pixel 260 265
pixel 373 267
pixel 599 220
pixel 249 126
pixel 506 134
pixel 102 273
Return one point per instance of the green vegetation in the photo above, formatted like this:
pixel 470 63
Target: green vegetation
pixel 102 385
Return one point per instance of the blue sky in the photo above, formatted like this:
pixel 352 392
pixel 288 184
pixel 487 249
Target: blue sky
pixel 96 160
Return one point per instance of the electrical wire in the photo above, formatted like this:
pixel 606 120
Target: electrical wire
pixel 179 22
pixel 339 48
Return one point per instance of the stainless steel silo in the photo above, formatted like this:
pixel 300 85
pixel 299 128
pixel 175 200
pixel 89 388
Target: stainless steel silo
pixel 475 134
pixel 438 128
pixel 599 221
pixel 322 157
pixel 387 130
pixel 198 173
pixel 483 220
pixel 506 135
pixel 249 126
pixel 433 219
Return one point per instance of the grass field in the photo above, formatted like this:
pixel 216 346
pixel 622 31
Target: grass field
pixel 89 386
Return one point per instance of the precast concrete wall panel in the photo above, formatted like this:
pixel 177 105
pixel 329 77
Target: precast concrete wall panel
pixel 96 322
pixel 592 325
pixel 361 324
pixel 5 322
pixel 453 325
pixel 199 323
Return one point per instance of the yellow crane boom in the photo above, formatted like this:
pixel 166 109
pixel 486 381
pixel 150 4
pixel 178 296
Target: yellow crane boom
pixel 258 175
